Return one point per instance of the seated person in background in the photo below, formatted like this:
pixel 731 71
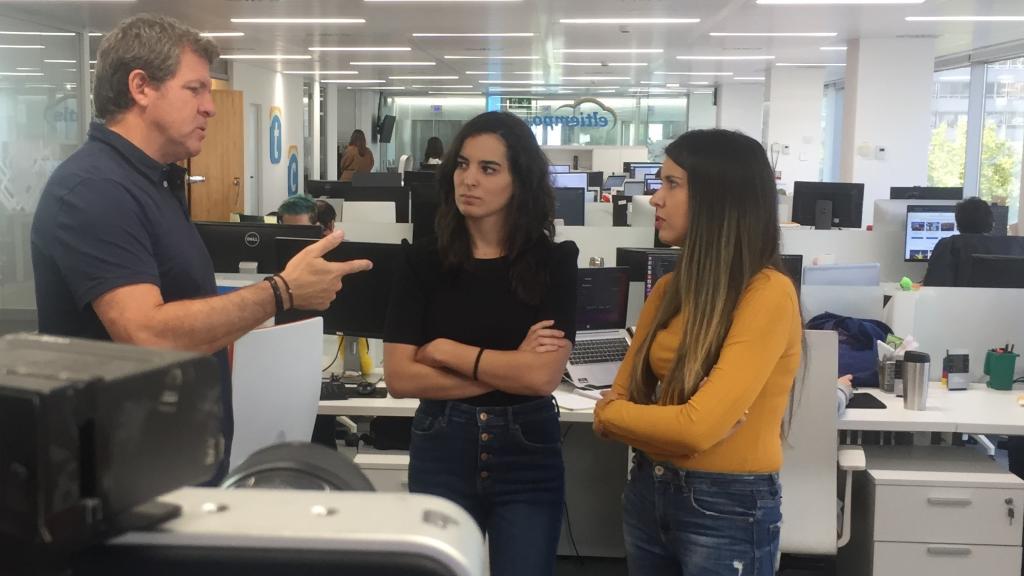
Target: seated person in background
pixel 844 393
pixel 356 158
pixel 297 210
pixel 973 217
pixel 433 154
pixel 326 216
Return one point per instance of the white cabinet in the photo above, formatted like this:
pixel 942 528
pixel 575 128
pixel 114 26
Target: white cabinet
pixel 387 471
pixel 934 510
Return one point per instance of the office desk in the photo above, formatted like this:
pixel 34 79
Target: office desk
pixel 389 406
pixel 978 410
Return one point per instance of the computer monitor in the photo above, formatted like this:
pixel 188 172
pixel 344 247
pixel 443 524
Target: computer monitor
pixel 570 205
pixel 642 212
pixel 926 225
pixel 996 271
pixel 658 264
pixel 569 180
pixel 602 298
pixel 361 308
pixel 926 193
pixel 793 266
pixel 558 168
pixel 424 202
pixel 652 185
pixel 251 219
pixel 1000 219
pixel 376 179
pixel 595 179
pixel 639 171
pixel 614 181
pixel 634 188
pixel 229 243
pixel 825 205
pixel 418 176
pixel 327 188
pixel 635 260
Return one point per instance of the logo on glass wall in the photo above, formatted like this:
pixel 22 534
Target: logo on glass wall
pixel 579 114
pixel 275 135
pixel 293 170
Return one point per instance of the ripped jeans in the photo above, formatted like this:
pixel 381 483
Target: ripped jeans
pixel 693 523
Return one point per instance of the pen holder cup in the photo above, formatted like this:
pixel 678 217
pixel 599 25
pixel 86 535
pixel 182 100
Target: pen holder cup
pixel 999 368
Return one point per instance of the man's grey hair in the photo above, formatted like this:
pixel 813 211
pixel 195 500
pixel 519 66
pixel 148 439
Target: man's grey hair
pixel 146 42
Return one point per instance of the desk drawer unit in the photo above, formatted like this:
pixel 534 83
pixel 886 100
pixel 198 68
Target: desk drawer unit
pixel 939 514
pixel 387 472
pixel 904 559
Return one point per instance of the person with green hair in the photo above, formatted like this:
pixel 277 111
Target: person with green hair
pixel 297 210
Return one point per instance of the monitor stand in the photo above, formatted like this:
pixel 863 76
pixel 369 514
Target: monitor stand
pixel 823 215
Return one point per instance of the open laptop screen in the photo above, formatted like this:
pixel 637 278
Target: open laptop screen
pixel 601 298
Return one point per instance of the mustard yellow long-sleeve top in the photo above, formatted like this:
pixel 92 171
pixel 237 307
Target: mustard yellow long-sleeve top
pixel 755 372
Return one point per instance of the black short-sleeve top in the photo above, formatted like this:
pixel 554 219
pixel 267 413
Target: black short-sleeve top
pixel 477 305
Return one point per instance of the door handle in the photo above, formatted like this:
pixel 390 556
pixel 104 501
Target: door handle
pixel 236 182
pixel 958 502
pixel 196 179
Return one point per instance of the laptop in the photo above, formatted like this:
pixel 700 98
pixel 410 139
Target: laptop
pixel 601 339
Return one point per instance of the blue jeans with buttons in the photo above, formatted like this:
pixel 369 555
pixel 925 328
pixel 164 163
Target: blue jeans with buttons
pixel 692 523
pixel 504 466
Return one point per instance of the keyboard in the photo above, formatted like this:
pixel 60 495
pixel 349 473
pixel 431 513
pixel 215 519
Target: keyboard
pixel 599 351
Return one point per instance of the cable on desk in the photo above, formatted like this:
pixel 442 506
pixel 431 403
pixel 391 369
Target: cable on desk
pixel 337 353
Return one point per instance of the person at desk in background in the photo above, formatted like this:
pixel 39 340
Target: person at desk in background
pixel 718 340
pixel 433 154
pixel 299 210
pixel 480 327
pixel 115 254
pixel 326 215
pixel 973 218
pixel 357 157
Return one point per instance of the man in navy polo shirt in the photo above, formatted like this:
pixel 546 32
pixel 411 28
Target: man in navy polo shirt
pixel 115 254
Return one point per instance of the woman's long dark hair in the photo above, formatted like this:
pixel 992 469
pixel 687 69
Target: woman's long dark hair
pixel 358 139
pixel 435 149
pixel 733 234
pixel 528 226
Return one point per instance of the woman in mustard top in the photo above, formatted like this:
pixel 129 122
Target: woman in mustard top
pixel 702 392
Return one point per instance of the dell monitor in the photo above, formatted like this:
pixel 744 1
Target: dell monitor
pixel 229 243
pixel 602 297
pixel 926 193
pixel 569 205
pixel 614 181
pixel 826 205
pixel 996 271
pixel 926 225
pixel 327 188
pixel 658 264
pixel 363 306
pixel 569 180
pixel 595 179
pixel 558 168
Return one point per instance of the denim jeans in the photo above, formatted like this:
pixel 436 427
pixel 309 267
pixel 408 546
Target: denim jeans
pixel 504 466
pixel 693 523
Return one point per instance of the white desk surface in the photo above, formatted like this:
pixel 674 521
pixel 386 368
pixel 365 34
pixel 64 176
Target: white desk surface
pixel 979 410
pixel 407 407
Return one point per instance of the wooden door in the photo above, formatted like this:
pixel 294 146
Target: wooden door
pixel 221 162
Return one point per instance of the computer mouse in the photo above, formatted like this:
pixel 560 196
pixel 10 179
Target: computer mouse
pixel 366 388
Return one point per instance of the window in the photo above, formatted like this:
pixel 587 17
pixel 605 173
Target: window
pixel 39 128
pixel 1002 141
pixel 948 149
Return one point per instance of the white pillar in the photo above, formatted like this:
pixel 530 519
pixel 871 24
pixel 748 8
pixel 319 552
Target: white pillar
pixel 741 108
pixel 793 130
pixel 700 111
pixel 331 126
pixel 317 153
pixel 887 115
